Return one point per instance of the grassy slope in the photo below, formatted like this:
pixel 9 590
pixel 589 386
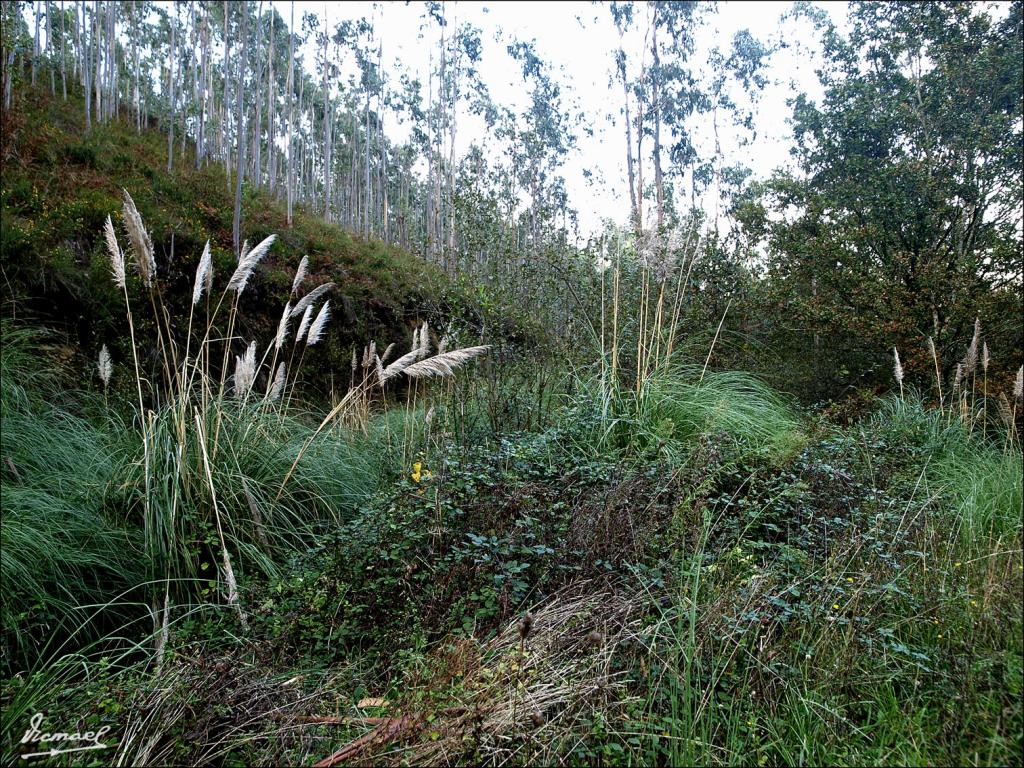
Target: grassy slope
pixel 60 183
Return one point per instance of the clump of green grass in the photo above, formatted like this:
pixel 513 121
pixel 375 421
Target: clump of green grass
pixel 980 479
pixel 677 407
pixel 61 547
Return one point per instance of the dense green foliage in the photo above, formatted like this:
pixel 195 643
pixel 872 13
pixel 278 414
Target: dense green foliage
pixel 587 516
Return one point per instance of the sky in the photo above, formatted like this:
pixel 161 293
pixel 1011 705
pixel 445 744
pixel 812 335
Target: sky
pixel 578 39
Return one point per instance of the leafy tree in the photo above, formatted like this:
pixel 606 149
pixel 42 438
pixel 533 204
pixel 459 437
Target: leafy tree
pixel 905 221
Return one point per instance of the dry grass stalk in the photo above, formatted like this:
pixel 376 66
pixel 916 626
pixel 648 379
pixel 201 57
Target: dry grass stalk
pixel 971 358
pixel 938 375
pixel 530 692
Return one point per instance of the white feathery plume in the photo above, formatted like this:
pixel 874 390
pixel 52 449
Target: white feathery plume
pixel 311 297
pixel 380 369
pixel 204 274
pixel 278 386
pixel 984 356
pixel 116 256
pixel 300 274
pixel 958 377
pixel 444 365
pixel 371 353
pixel 317 328
pixel 141 244
pixel 401 363
pixel 282 327
pixel 1018 384
pixel 244 250
pixel 248 263
pixel 105 366
pixel 304 324
pixel 355 360
pixel 897 368
pixel 387 352
pixel 245 371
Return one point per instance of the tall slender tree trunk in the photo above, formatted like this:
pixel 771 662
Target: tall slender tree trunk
pixel 63 53
pixel 171 91
pixel 656 86
pixel 35 42
pixel 291 110
pixel 236 228
pixel 87 71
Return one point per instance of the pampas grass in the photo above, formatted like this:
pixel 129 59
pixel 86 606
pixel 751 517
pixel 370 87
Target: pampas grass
pixel 142 246
pixel 307 316
pixel 897 369
pixel 282 327
pixel 311 297
pixel 204 275
pixel 316 329
pixel 247 263
pixel 444 364
pixel 300 274
pixel 116 255
pixel 245 371
pixel 104 366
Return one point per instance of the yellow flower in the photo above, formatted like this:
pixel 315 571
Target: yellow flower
pixel 957 564
pixel 849 579
pixel 940 636
pixel 974 603
pixel 416 471
pixel 835 606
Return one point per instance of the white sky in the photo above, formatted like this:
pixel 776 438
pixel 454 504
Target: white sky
pixel 578 40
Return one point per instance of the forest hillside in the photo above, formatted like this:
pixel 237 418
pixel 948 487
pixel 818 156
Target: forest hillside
pixel 324 442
